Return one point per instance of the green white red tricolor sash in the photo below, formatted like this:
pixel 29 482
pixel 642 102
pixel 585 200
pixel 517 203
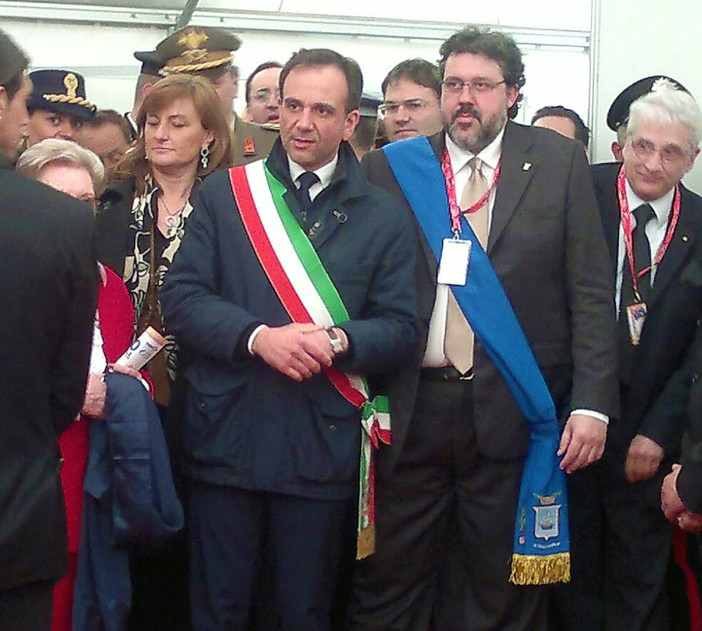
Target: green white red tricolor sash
pixel 308 295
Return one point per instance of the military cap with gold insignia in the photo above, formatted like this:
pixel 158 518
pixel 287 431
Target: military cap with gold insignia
pixel 196 49
pixel 618 112
pixel 60 91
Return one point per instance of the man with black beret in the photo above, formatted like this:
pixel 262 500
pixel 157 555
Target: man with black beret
pixel 57 106
pixel 621 542
pixel 618 113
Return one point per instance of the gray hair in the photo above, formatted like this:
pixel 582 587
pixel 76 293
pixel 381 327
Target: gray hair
pixel 52 150
pixel 667 104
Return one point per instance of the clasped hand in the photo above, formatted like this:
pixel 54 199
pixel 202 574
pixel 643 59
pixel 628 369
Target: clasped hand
pixel 299 351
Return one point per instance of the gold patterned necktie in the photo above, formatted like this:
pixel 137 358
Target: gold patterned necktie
pixel 475 188
pixel 459 338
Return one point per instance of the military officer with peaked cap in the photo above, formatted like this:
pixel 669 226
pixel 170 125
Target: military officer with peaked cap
pixel 207 51
pixel 57 105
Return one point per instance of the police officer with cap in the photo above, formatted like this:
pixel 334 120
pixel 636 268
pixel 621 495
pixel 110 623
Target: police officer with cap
pixel 618 113
pixel 207 51
pixel 57 105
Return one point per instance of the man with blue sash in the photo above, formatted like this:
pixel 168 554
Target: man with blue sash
pixel 294 277
pixel 515 301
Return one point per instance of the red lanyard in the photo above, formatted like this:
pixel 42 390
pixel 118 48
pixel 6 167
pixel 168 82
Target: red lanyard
pixel 625 215
pixel 454 208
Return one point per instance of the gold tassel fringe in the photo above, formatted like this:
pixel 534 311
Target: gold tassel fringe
pixel 540 570
pixel 365 542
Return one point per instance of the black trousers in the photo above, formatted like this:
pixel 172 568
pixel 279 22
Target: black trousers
pixel 27 608
pixel 227 528
pixel 444 501
pixel 620 550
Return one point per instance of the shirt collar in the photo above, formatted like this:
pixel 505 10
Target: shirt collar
pixel 490 155
pixel 661 206
pixel 324 173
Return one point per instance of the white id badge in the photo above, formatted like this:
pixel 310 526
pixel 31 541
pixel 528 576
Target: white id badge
pixel 453 267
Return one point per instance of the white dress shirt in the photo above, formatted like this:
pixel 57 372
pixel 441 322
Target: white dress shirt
pixel 324 174
pixel 434 355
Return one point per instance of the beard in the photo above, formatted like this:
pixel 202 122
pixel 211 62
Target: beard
pixel 474 138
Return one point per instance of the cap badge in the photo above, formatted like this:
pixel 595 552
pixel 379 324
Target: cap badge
pixel 663 83
pixel 193 39
pixel 70 81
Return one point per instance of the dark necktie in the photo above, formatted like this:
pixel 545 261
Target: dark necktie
pixel 307 180
pixel 642 249
pixel 642 261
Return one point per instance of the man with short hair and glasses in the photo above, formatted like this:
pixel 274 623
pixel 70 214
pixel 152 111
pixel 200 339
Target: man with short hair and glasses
pixel 411 92
pixel 513 282
pixel 620 538
pixel 262 94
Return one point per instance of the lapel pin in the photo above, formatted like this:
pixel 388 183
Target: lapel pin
pixel 526 166
pixel 340 215
pixel 684 238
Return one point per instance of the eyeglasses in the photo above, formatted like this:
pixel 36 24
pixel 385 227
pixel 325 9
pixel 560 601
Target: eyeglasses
pixel 453 85
pixel 670 154
pixel 264 94
pixel 392 108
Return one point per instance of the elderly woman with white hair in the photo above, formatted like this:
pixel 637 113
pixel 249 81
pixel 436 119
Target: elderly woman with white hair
pixel 78 172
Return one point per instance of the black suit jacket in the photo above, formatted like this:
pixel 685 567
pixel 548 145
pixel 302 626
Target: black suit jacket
pixel 48 297
pixel 655 403
pixel 547 247
pixel 689 483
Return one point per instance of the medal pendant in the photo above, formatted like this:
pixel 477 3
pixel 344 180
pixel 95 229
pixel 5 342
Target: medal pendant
pixel 171 223
pixel 636 316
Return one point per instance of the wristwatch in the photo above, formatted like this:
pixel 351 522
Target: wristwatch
pixel 337 343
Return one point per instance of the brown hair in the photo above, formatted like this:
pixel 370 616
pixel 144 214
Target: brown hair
pixel 13 63
pixel 209 109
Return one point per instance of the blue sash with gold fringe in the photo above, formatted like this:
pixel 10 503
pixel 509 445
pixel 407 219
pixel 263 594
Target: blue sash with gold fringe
pixel 541 542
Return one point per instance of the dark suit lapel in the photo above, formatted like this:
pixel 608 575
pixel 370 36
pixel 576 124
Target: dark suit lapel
pixel 518 167
pixel 605 180
pixel 677 252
